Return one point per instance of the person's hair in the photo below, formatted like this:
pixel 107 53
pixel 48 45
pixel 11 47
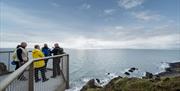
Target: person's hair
pixel 18 46
pixel 56 45
pixel 36 46
pixel 23 43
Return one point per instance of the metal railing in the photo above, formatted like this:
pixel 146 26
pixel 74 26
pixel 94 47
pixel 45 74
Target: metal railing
pixel 7 58
pixel 13 83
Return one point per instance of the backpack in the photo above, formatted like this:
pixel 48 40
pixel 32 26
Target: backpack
pixel 14 56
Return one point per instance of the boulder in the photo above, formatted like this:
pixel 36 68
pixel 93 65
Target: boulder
pixel 148 75
pixel 127 73
pixel 91 84
pixel 132 69
pixel 3 68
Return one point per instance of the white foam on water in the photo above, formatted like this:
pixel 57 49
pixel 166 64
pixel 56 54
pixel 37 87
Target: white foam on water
pixel 108 78
pixel 162 67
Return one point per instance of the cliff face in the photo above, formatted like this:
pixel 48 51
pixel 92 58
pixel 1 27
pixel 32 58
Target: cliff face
pixel 138 84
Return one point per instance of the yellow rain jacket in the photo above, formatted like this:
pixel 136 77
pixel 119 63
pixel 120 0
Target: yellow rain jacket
pixel 36 53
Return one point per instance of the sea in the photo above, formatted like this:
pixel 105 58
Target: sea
pixel 105 64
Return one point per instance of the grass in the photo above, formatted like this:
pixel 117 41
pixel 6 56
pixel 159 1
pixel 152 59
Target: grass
pixel 137 84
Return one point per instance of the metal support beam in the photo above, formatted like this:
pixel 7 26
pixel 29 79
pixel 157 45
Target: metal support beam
pixel 67 73
pixel 31 78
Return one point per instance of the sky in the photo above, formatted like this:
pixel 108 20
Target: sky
pixel 91 24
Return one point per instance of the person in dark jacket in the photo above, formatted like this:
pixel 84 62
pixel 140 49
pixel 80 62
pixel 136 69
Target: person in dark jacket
pixel 56 61
pixel 47 52
pixel 22 57
pixel 17 63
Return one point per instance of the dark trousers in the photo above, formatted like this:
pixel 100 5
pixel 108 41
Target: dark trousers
pixel 46 60
pixel 56 67
pixel 17 65
pixel 42 70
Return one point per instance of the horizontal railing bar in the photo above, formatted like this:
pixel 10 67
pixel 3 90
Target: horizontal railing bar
pixel 50 57
pixel 15 74
pixel 9 51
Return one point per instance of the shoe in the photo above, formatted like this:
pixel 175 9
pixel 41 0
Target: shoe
pixel 58 74
pixel 45 80
pixel 53 76
pixel 37 80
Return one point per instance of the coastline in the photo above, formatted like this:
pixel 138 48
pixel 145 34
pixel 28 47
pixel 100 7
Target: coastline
pixel 169 80
pixel 172 71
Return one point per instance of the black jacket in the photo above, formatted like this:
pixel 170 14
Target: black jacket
pixel 57 51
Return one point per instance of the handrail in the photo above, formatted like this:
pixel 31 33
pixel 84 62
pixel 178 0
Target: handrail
pixel 9 51
pixel 9 56
pixel 14 75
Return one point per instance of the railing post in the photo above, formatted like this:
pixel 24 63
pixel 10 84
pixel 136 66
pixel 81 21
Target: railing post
pixel 31 77
pixel 9 61
pixel 67 73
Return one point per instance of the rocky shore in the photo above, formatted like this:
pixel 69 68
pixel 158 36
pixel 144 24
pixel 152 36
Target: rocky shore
pixel 3 69
pixel 165 81
pixel 172 70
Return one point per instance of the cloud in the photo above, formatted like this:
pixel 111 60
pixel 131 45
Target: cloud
pixel 55 4
pixel 109 11
pixel 128 4
pixel 146 15
pixel 156 42
pixel 19 25
pixel 85 6
pixel 119 27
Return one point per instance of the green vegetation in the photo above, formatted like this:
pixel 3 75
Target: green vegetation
pixel 137 84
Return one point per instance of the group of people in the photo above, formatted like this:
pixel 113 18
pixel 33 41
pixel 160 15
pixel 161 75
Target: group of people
pixel 20 57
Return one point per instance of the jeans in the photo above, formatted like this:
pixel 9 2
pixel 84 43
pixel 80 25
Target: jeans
pixel 56 66
pixel 42 70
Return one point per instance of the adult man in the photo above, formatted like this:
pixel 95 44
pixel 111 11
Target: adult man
pixel 22 57
pixel 39 65
pixel 56 61
pixel 47 52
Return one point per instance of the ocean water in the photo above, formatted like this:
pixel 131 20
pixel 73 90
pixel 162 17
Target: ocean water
pixel 96 63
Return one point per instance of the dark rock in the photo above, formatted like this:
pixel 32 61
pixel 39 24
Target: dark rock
pixel 98 81
pixel 175 65
pixel 108 73
pixel 168 69
pixel 157 78
pixel 3 68
pixel 148 75
pixel 127 73
pixel 132 69
pixel 90 84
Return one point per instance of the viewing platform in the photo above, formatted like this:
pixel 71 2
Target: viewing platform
pixel 14 81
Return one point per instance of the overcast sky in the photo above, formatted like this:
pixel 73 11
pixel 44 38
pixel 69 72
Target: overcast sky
pixel 142 24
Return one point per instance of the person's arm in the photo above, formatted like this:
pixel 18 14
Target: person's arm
pixel 62 51
pixel 49 51
pixel 19 52
pixel 52 51
pixel 41 54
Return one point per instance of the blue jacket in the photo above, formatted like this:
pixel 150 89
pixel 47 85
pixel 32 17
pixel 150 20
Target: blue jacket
pixel 46 51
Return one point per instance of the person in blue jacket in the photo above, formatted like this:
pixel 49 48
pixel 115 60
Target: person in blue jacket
pixel 47 52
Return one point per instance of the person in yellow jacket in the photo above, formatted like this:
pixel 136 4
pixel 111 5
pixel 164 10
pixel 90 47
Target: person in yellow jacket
pixel 39 65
